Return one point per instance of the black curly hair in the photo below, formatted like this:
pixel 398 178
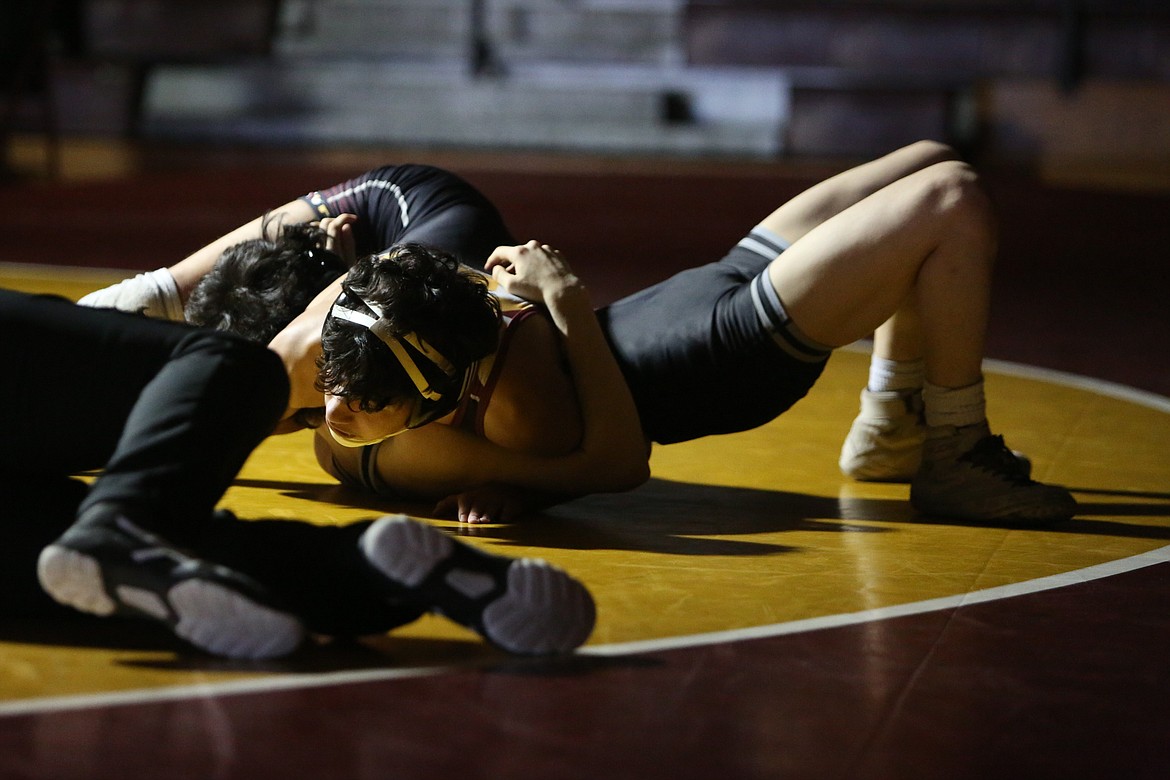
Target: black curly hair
pixel 420 290
pixel 258 286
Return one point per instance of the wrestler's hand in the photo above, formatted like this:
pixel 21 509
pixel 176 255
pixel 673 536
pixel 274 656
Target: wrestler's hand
pixel 533 271
pixel 339 236
pixel 488 504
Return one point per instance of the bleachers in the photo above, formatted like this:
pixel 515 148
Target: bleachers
pixel 1006 78
pixel 1055 81
pixel 597 75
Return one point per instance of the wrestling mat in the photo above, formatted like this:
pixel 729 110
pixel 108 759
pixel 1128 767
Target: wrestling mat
pixel 749 535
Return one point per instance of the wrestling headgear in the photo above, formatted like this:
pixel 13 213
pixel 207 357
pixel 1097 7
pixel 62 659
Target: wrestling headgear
pixel 438 382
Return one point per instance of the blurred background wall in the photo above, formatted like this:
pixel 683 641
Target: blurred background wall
pixel 1074 88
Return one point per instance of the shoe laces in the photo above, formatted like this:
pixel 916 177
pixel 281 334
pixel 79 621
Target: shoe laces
pixel 993 456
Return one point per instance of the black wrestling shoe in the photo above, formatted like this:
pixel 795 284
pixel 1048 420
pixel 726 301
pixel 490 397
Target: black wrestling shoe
pixel 522 605
pixel 969 474
pixel 106 565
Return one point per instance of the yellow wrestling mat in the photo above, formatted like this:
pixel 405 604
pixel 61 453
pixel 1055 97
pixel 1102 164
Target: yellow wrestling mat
pixel 734 536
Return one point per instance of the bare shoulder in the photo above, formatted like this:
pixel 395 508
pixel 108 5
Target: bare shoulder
pixel 299 346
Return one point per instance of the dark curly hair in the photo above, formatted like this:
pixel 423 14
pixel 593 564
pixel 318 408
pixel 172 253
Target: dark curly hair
pixel 420 290
pixel 258 286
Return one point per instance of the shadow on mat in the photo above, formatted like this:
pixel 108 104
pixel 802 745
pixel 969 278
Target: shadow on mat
pixel 661 516
pixel 683 518
pixel 151 647
pixel 680 518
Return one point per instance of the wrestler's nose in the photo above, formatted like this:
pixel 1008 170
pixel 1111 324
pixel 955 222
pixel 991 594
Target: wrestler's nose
pixel 337 411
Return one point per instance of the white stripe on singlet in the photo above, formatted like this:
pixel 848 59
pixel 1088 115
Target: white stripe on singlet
pixel 760 248
pixel 764 243
pixel 382 184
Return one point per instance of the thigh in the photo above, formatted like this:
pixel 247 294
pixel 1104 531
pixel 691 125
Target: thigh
pixel 192 427
pixel 830 197
pixel 851 273
pixel 72 375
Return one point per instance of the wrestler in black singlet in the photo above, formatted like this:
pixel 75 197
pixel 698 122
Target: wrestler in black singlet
pixel 397 204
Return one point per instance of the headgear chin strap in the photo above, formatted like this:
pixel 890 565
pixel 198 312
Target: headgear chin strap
pixel 438 383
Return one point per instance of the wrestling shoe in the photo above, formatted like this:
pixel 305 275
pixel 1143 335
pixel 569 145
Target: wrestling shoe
pixel 968 474
pixel 108 566
pixel 885 441
pixel 522 605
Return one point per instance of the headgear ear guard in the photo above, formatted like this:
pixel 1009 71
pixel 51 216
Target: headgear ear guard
pixel 438 382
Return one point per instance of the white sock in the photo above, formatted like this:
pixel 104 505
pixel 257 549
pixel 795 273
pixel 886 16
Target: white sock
pixel 895 375
pixel 956 407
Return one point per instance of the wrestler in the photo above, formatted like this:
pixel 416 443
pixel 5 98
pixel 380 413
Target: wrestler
pixel 168 413
pixel 390 205
pixel 902 247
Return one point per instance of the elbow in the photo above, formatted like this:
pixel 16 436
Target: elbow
pixel 640 472
pixel 628 472
pixel 640 476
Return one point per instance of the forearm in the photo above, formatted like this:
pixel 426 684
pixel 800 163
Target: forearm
pixel 163 293
pixel 613 448
pixel 191 269
pixel 439 460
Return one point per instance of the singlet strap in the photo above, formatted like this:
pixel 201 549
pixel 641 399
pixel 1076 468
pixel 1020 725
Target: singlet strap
pixel 473 407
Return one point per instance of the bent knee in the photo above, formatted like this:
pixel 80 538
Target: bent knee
pixel 956 191
pixel 930 152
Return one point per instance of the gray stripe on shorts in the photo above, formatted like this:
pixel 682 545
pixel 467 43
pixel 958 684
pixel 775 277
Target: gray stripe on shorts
pixel 763 242
pixel 783 330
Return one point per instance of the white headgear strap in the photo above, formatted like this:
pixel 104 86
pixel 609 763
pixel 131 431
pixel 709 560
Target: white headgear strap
pixel 380 327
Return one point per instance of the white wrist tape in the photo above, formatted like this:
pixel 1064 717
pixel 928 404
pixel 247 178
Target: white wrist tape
pixel 154 294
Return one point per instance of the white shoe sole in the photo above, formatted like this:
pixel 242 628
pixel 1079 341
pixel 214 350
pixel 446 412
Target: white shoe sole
pixel 210 616
pixel 539 609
